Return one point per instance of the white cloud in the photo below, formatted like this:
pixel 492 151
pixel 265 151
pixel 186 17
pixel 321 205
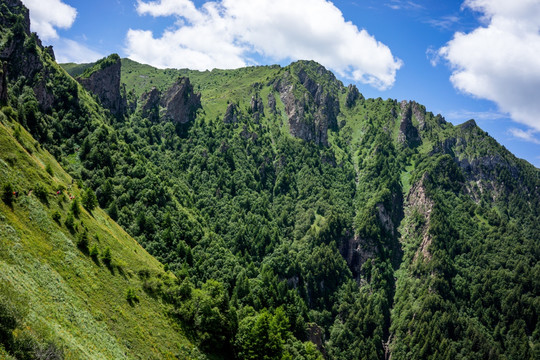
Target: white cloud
pixel 47 15
pixel 444 23
pixel 524 135
pixel 404 5
pixel 500 61
pixel 230 33
pixel 462 115
pixel 67 50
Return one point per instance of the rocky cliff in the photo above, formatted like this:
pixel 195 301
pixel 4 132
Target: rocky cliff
pixel 103 80
pixel 180 102
pixel 231 114
pixel 150 104
pixel 3 83
pixel 22 52
pixel 352 96
pixel 408 133
pixel 311 107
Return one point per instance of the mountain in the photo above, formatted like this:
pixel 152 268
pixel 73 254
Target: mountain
pixel 297 219
pixel 67 271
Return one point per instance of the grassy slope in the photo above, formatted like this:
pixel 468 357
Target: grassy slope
pixel 78 302
pixel 76 69
pixel 141 78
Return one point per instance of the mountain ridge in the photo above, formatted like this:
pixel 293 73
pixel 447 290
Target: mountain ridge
pixel 300 219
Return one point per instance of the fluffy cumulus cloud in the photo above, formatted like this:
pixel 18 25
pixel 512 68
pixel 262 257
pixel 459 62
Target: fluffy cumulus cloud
pixel 232 33
pixel 499 61
pixel 48 15
pixel 524 135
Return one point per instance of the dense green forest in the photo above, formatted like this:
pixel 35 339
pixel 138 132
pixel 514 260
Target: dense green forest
pixel 297 219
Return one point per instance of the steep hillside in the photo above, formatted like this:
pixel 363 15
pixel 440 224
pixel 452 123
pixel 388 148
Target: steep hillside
pixel 365 212
pixel 300 219
pixel 73 283
pixel 71 278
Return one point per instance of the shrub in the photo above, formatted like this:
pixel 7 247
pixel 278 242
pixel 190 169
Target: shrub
pixel 41 193
pixel 17 133
pixel 107 257
pixel 82 242
pixel 48 169
pixel 10 113
pixel 70 222
pixel 8 322
pixel 131 296
pixel 89 200
pixel 94 252
pixel 75 208
pixel 7 194
pixel 56 217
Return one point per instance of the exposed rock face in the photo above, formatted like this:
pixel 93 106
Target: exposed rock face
pixel 180 102
pixel 408 134
pixel 419 205
pixel 21 54
pixel 256 107
pixel 150 107
pixel 49 50
pixel 16 7
pixel 316 335
pixel 356 251
pixel 446 147
pixel 440 119
pixel 311 115
pixel 44 96
pixel 272 103
pixel 468 125
pixel 352 96
pixel 385 219
pixel 105 83
pixel 231 115
pixel 3 83
pixel 419 113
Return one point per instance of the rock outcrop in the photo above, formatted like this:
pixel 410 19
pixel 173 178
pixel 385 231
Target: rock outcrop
pixel 150 104
pixel 419 207
pixel 15 7
pixel 3 83
pixel 419 113
pixel 21 53
pixel 231 114
pixel 180 102
pixel 311 108
pixel 272 103
pixel 44 95
pixel 408 134
pixel 468 125
pixel 356 251
pixel 104 82
pixel 256 107
pixel 352 96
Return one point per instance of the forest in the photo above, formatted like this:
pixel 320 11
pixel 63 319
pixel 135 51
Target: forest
pixel 296 218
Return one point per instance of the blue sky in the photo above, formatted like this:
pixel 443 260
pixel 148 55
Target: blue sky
pixel 464 59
